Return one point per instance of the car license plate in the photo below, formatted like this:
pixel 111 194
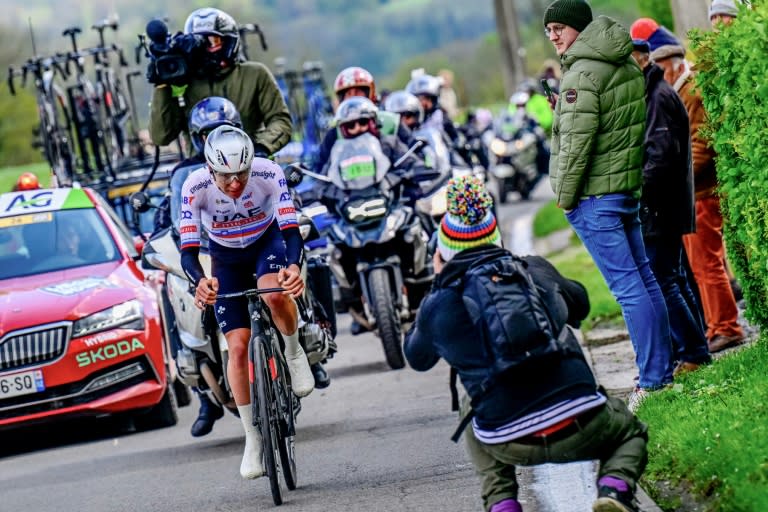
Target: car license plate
pixel 21 384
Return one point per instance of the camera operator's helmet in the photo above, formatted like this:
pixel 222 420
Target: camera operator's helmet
pixel 403 102
pixel 210 113
pixel 357 109
pixel 354 77
pixel 228 150
pixel 425 85
pixel 210 21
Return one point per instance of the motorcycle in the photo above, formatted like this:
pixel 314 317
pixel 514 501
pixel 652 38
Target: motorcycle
pixel 513 155
pixel 432 205
pixel 379 251
pixel 202 355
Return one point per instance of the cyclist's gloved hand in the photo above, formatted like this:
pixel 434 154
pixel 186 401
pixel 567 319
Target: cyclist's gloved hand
pixel 260 151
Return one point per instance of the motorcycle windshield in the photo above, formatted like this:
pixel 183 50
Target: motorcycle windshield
pixel 508 125
pixel 436 154
pixel 357 163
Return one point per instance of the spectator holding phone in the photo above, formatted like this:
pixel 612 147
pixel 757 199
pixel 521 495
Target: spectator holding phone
pixel 596 172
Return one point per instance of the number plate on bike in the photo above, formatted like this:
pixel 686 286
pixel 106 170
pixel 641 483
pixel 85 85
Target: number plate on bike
pixel 23 383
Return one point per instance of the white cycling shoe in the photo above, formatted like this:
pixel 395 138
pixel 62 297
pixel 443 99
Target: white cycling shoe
pixel 251 466
pixel 302 380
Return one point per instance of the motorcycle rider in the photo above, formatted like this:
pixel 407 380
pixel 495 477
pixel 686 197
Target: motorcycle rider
pixel 427 89
pixel 355 117
pixel 351 82
pixel 411 114
pixel 244 205
pixel 204 117
pixel 519 105
pixel 248 84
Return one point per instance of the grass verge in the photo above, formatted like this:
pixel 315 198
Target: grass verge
pixel 576 263
pixel 9 175
pixel 709 435
pixel 549 219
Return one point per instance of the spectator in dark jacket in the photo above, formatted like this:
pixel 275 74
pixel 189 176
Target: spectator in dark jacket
pixel 550 411
pixel 667 207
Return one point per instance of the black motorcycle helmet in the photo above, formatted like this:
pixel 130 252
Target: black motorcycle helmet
pixel 209 21
pixel 210 113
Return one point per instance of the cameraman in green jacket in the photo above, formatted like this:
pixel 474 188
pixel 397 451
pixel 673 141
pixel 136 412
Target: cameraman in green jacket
pixel 249 85
pixel 596 173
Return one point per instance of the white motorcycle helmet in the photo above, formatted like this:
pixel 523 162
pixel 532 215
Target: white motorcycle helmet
pixel 228 150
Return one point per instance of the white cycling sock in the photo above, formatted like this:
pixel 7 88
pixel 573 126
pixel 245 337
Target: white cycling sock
pixel 251 467
pixel 302 380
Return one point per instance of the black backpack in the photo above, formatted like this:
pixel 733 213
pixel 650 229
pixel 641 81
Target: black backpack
pixel 510 317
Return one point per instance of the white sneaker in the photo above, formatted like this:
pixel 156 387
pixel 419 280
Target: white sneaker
pixel 251 466
pixel 302 380
pixel 636 398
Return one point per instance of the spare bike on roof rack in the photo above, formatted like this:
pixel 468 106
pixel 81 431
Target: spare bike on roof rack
pixel 54 134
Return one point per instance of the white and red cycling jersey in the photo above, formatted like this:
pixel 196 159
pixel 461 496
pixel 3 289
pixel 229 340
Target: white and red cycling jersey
pixel 235 223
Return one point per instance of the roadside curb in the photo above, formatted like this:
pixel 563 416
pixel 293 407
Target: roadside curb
pixel 602 346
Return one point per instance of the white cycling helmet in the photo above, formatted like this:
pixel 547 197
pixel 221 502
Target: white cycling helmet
pixel 228 150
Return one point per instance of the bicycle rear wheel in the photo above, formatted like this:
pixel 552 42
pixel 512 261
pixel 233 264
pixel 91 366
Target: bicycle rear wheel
pixel 263 406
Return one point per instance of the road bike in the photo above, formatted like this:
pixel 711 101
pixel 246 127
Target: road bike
pixel 274 405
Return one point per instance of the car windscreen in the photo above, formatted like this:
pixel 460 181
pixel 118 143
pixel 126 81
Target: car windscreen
pixel 58 240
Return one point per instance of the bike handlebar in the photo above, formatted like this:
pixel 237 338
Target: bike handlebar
pixel 250 291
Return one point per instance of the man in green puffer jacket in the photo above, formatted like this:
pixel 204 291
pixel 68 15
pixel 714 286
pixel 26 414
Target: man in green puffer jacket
pixel 596 173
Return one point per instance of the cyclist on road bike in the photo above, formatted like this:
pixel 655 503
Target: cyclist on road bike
pixel 249 85
pixel 244 205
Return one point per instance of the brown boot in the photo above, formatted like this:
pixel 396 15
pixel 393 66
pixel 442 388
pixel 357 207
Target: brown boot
pixel 685 367
pixel 721 342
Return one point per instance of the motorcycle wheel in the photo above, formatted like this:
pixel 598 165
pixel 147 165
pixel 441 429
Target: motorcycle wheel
pixel 387 319
pixel 500 189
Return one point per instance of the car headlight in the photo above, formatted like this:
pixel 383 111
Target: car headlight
pixel 499 147
pixel 128 315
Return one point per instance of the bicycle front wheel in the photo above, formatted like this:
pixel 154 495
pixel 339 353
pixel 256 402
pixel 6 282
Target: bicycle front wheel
pixel 263 405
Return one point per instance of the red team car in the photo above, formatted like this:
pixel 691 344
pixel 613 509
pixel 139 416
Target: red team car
pixel 80 331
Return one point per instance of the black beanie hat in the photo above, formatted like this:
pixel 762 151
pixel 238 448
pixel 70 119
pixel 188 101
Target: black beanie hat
pixel 574 13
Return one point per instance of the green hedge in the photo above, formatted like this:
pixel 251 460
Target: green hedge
pixel 732 69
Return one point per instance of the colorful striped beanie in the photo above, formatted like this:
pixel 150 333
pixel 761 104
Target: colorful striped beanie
pixel 469 221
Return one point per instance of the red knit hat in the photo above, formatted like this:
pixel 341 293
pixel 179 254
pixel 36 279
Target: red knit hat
pixel 642 28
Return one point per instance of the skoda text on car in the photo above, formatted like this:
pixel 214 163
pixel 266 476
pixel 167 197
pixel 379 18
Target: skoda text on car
pixel 80 332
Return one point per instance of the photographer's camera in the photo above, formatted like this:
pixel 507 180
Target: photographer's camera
pixel 174 60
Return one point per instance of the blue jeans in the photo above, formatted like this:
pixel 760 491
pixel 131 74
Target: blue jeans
pixel 664 254
pixel 609 227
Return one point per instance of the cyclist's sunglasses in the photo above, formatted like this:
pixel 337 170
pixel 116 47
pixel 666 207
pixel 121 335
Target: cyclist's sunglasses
pixel 228 178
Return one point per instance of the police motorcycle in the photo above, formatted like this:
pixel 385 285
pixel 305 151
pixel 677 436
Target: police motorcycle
pixel 379 244
pixel 202 355
pixel 513 152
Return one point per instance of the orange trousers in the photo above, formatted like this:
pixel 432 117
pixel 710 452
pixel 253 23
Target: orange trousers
pixel 706 254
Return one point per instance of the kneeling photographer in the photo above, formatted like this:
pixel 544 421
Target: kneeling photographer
pixel 205 61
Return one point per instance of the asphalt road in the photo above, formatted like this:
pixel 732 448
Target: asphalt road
pixel 375 440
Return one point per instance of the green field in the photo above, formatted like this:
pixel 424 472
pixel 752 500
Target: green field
pixel 9 175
